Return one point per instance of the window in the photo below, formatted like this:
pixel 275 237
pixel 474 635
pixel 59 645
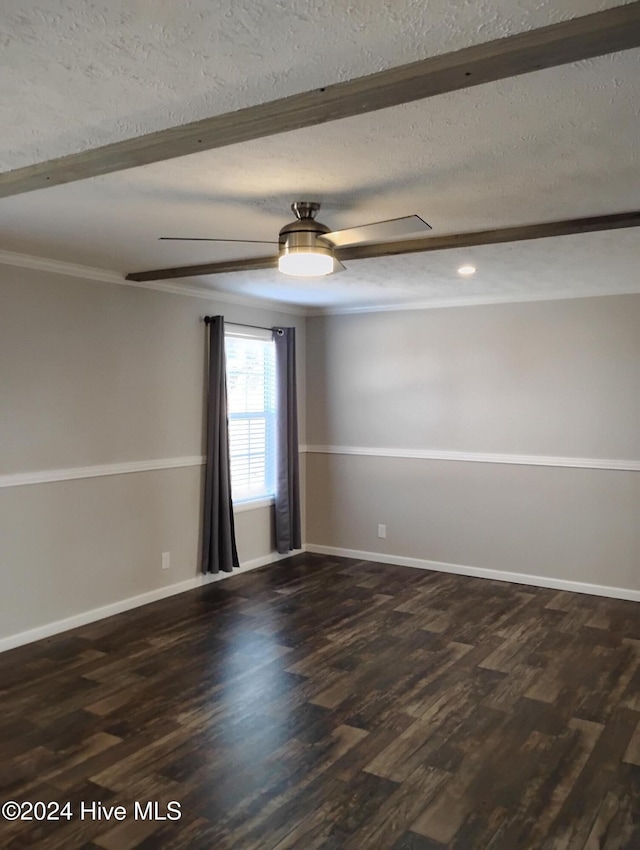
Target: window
pixel 251 409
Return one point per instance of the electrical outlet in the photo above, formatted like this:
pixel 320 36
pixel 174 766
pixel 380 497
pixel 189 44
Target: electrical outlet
pixel 382 531
pixel 166 560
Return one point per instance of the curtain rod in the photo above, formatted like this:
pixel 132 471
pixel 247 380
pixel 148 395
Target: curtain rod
pixel 279 331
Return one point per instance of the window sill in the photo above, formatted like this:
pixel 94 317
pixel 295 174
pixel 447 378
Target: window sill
pixel 252 504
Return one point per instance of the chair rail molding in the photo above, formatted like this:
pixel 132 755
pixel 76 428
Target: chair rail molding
pixel 46 476
pixel 480 457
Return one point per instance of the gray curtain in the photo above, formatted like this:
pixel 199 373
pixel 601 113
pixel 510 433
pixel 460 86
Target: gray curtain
pixel 219 550
pixel 288 533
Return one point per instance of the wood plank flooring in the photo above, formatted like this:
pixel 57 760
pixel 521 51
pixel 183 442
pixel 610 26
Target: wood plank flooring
pixel 331 704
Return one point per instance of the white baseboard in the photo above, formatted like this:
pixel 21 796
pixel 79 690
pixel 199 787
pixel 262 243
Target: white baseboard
pixel 86 617
pixel 481 572
pixel 83 619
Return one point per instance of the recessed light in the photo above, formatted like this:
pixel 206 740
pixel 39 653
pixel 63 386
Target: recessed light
pixel 467 270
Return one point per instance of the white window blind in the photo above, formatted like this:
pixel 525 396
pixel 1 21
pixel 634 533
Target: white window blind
pixel 251 410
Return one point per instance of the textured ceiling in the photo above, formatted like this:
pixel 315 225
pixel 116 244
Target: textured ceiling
pixel 556 144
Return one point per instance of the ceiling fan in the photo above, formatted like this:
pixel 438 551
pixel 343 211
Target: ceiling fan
pixel 306 240
pixel 307 248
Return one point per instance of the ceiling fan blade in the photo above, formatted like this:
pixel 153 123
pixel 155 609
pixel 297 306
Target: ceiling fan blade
pixel 205 239
pixel 410 246
pixel 522 233
pixel 249 264
pixel 377 231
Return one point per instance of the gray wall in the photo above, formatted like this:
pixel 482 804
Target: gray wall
pixel 97 374
pixel 558 378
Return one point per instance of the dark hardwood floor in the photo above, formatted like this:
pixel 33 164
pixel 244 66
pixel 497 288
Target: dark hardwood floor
pixel 338 705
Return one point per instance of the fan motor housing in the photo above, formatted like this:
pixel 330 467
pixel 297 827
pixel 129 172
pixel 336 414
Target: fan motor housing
pixel 304 235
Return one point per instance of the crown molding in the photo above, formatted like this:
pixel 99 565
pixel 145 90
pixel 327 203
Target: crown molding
pixel 28 261
pixel 217 295
pixel 479 301
pixel 44 264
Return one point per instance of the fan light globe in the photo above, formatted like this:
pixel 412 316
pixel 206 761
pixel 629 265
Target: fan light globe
pixel 305 264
